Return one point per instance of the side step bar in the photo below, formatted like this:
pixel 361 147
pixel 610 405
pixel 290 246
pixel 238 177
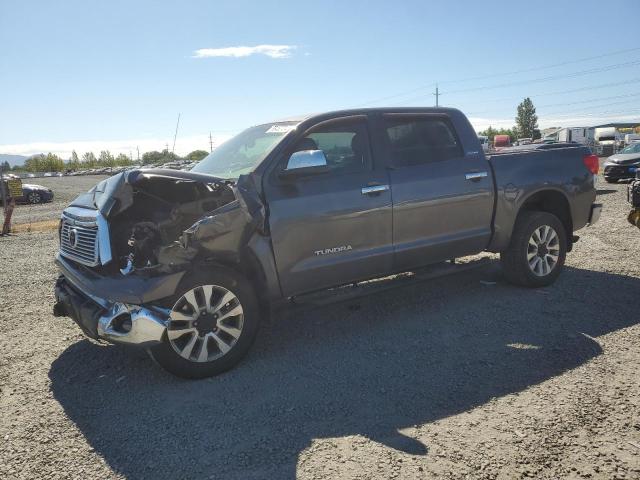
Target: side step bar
pixel 349 292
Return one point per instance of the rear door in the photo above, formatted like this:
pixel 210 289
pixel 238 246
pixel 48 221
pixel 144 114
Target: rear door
pixel 332 228
pixel 442 198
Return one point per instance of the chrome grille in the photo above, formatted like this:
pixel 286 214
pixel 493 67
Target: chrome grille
pixel 79 242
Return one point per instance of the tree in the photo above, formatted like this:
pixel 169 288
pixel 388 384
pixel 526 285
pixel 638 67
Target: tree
pixel 526 119
pixel 159 157
pixel 106 159
pixel 5 167
pixel 151 157
pixel 123 161
pixel 196 155
pixel 89 160
pixel 492 132
pixel 74 161
pixel 53 163
pixel 35 163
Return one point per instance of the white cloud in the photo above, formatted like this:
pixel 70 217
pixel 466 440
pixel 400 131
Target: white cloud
pixel 273 51
pixel 184 145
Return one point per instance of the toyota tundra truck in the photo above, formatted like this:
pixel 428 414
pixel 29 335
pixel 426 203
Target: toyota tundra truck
pixel 186 264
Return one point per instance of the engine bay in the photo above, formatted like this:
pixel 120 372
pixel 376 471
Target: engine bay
pixel 162 208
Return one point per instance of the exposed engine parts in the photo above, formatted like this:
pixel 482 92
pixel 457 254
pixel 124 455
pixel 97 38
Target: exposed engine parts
pixel 161 220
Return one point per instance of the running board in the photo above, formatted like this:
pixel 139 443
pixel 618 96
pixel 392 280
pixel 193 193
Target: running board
pixel 349 292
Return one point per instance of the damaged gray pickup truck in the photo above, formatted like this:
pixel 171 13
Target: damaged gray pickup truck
pixel 185 264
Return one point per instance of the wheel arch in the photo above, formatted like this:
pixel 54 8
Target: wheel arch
pixel 551 201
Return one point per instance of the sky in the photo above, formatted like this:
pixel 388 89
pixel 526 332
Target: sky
pixel 95 75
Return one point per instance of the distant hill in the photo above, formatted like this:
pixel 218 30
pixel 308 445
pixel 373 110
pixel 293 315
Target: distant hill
pixel 12 159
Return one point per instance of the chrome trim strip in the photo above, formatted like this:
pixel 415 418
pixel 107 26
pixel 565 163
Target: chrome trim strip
pixel 374 189
pixel 475 175
pixel 104 242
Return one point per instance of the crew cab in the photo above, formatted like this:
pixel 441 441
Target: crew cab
pixel 186 264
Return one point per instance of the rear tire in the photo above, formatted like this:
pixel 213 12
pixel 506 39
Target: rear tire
pixel 537 251
pixel 34 198
pixel 214 336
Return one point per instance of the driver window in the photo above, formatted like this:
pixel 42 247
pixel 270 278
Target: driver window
pixel 345 144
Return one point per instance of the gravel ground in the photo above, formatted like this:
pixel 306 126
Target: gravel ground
pixel 64 189
pixel 453 378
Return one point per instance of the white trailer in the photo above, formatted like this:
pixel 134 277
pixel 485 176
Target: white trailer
pixel 583 135
pixel 629 138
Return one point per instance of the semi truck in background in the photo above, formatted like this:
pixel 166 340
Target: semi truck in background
pixel 583 135
pixel 607 141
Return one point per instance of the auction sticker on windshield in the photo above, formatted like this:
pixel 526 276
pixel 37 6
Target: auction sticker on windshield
pixel 280 128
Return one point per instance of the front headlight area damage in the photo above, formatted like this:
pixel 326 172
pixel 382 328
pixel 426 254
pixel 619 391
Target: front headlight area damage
pixel 176 217
pixel 162 225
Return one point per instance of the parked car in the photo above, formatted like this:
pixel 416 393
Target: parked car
pixel 34 194
pixel 623 165
pixel 186 264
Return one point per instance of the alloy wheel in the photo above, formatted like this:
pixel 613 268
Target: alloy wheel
pixel 543 250
pixel 205 323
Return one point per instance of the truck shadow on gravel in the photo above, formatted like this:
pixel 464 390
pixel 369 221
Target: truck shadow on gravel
pixel 405 357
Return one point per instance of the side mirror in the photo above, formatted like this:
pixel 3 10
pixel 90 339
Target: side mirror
pixel 305 162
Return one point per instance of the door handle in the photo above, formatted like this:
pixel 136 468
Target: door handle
pixel 475 176
pixel 373 189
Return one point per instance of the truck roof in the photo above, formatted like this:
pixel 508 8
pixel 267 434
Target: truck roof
pixel 364 111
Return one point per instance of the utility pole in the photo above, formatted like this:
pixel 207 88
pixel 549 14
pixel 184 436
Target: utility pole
pixel 175 135
pixel 138 149
pixel 3 193
pixel 210 143
pixel 437 94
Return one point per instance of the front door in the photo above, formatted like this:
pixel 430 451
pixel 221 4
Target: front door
pixel 335 227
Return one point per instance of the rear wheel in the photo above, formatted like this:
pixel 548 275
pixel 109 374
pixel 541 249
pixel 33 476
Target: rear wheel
pixel 34 197
pixel 537 251
pixel 214 320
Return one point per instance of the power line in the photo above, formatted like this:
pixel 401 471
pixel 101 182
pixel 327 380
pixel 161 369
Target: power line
pixel 545 94
pixel 550 78
pixel 599 99
pixel 494 75
pixel 382 99
pixel 544 67
pixel 589 101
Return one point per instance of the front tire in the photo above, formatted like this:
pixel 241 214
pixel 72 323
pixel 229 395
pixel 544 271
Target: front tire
pixel 213 322
pixel 537 251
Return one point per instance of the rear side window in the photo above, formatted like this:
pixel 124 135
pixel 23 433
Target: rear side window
pixel 416 140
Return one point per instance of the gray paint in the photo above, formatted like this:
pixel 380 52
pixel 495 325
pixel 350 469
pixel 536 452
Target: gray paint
pixel 429 213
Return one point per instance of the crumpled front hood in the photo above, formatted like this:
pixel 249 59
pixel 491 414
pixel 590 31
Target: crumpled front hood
pixel 115 193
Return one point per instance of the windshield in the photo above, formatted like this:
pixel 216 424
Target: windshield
pixel 634 148
pixel 244 152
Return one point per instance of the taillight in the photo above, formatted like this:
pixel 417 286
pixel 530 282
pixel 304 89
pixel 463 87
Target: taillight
pixel 592 163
